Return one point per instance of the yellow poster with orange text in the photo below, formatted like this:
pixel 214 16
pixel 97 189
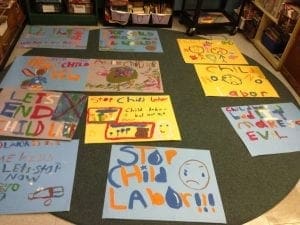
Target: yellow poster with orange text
pixel 234 81
pixel 210 51
pixel 130 118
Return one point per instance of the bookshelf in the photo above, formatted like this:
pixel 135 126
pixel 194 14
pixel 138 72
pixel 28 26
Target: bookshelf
pixel 12 23
pixel 61 18
pixel 270 16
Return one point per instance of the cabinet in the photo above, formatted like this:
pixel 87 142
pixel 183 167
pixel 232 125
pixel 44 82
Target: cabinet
pixel 12 22
pixel 270 17
pixel 291 63
pixel 156 13
pixel 198 16
pixel 61 18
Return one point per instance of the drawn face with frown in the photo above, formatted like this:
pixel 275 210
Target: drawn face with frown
pixel 194 174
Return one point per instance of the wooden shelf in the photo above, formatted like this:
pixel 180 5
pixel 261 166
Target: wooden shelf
pixel 258 5
pixel 12 33
pixel 266 20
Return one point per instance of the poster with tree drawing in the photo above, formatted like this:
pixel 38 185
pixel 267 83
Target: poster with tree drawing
pixel 77 74
pixel 40 114
pixel 162 183
pixel 130 118
pixel 268 128
pixel 57 37
pixel 124 76
pixel 234 81
pixel 36 175
pixel 210 51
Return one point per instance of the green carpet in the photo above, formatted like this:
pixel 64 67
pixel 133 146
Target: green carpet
pixel 249 186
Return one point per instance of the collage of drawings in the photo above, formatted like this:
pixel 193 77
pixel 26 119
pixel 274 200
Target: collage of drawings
pixel 39 103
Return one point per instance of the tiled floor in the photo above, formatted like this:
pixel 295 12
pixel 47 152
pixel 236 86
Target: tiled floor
pixel 287 212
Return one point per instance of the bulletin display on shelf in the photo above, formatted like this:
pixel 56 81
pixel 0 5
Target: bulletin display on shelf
pixel 150 13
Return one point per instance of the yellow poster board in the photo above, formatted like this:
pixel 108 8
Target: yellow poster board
pixel 210 51
pixel 234 81
pixel 130 118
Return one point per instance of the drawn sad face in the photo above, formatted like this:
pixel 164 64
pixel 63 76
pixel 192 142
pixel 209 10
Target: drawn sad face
pixel 194 174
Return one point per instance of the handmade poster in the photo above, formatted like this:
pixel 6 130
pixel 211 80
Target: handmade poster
pixel 268 128
pixel 130 118
pixel 60 37
pixel 40 114
pixel 124 76
pixel 210 51
pixel 126 40
pixel 36 175
pixel 75 74
pixel 162 183
pixel 234 81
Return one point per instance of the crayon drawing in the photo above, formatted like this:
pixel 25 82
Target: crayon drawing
pixel 47 73
pixel 75 74
pixel 124 76
pixel 40 114
pixel 266 129
pixel 234 81
pixel 210 51
pixel 125 40
pixel 162 183
pixel 36 175
pixel 60 37
pixel 130 118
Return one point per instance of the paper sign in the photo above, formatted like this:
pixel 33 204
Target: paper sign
pixel 60 37
pixel 130 118
pixel 74 74
pixel 124 76
pixel 210 51
pixel 129 40
pixel 159 183
pixel 36 176
pixel 234 81
pixel 266 129
pixel 40 114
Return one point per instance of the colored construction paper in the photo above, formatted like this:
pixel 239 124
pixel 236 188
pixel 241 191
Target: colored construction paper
pixel 40 114
pixel 60 37
pixel 210 51
pixel 125 40
pixel 162 183
pixel 130 118
pixel 36 175
pixel 75 74
pixel 124 76
pixel 267 128
pixel 234 81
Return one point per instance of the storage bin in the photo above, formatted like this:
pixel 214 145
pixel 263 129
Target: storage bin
pixel 272 41
pixel 158 18
pixel 140 18
pixel 51 6
pixel 120 16
pixel 80 8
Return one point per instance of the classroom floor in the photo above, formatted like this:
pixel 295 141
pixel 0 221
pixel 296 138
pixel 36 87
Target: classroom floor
pixel 286 212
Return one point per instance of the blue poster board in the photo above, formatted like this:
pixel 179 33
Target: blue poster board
pixel 161 183
pixel 47 73
pixel 59 37
pixel 36 176
pixel 266 129
pixel 125 40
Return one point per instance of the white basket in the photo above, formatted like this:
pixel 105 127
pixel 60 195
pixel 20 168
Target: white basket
pixel 120 16
pixel 140 18
pixel 159 18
